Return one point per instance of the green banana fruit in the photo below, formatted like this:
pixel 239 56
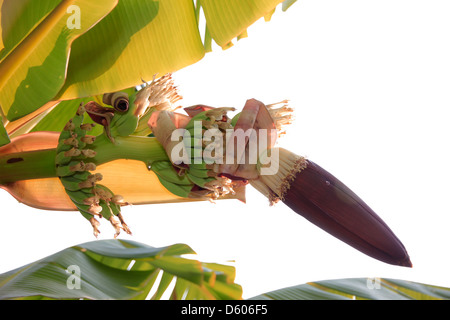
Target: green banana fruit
pixel 74 166
pixel 200 173
pixel 201 182
pixel 64 157
pixel 72 183
pixel 235 119
pixel 78 196
pixel 165 170
pixel 176 189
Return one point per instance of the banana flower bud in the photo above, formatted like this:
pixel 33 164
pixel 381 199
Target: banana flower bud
pixel 318 196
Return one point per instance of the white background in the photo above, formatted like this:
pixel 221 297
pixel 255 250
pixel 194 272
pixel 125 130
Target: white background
pixel 369 81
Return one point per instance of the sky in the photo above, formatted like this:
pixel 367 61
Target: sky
pixel 369 83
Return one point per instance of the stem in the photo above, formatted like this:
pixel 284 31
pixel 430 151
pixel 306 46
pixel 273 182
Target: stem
pixel 41 163
pixel 145 149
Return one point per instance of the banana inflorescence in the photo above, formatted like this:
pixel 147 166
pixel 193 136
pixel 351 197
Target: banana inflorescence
pixel 74 165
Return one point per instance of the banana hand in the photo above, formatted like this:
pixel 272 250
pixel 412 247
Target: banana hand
pixel 74 166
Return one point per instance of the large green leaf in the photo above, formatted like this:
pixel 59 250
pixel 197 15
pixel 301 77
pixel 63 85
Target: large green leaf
pixel 38 36
pixel 137 40
pixel 119 43
pixel 119 269
pixel 359 288
pixel 56 119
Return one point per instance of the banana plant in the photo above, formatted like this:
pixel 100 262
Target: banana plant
pixel 117 146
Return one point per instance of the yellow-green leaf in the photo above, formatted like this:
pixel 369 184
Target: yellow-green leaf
pixel 37 39
pixel 1 37
pixel 4 138
pixel 287 4
pixel 137 40
pixel 227 19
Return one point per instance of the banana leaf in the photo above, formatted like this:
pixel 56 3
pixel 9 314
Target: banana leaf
pixel 4 137
pixel 359 289
pixel 120 269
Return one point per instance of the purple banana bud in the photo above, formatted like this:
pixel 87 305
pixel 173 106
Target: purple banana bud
pixel 321 198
